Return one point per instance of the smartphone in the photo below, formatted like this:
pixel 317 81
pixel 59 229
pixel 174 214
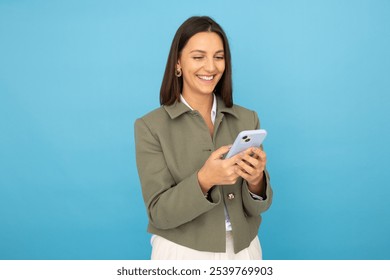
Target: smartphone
pixel 245 140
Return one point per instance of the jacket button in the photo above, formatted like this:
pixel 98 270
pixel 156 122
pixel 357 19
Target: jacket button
pixel 230 196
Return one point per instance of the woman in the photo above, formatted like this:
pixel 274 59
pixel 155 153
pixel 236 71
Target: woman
pixel 200 206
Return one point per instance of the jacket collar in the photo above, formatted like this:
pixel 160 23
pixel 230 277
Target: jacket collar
pixel 178 108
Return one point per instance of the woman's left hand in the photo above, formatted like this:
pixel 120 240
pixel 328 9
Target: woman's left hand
pixel 251 168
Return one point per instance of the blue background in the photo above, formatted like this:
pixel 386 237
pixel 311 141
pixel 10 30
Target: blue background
pixel 74 75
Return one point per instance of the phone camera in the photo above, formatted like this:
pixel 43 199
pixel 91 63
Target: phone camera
pixel 243 138
pixel 247 140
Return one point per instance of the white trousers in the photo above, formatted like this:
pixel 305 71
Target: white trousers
pixel 163 249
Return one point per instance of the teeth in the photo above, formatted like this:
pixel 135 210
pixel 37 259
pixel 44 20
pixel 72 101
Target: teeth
pixel 207 78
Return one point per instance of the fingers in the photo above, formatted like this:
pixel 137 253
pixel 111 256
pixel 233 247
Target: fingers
pixel 243 174
pixel 252 163
pixel 234 159
pixel 251 179
pixel 222 151
pixel 253 154
pixel 246 168
pixel 253 174
pixel 249 165
pixel 217 154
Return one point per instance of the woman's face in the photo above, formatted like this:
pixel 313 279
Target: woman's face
pixel 202 62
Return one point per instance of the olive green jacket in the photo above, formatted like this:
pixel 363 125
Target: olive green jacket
pixel 172 144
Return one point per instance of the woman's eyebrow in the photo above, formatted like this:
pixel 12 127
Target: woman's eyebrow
pixel 197 51
pixel 201 51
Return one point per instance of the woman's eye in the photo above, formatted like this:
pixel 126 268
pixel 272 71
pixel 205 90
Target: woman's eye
pixel 219 57
pixel 198 57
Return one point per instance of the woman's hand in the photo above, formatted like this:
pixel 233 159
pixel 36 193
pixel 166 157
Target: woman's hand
pixel 218 171
pixel 251 168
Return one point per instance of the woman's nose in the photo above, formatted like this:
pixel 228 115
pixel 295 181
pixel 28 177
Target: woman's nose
pixel 210 65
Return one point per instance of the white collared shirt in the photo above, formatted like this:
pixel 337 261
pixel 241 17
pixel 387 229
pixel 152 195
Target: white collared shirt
pixel 213 108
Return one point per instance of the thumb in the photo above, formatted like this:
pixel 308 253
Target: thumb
pixel 219 153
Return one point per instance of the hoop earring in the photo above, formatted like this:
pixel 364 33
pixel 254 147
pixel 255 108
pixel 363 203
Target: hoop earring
pixel 178 72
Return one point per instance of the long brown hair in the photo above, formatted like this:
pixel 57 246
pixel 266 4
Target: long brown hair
pixel 172 86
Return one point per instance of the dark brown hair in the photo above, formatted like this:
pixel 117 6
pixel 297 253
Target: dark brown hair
pixel 172 86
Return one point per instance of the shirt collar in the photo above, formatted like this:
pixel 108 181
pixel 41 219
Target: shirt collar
pixel 178 108
pixel 213 108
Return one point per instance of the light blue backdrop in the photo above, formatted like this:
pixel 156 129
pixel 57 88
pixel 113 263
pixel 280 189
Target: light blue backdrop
pixel 74 75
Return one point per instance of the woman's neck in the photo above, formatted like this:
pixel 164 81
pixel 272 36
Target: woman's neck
pixel 200 103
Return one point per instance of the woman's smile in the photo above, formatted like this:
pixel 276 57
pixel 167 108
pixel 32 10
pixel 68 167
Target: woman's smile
pixel 205 78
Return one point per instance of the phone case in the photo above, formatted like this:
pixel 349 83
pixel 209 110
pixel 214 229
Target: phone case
pixel 245 140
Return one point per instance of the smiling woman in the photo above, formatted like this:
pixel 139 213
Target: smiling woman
pixel 202 64
pixel 197 30
pixel 200 206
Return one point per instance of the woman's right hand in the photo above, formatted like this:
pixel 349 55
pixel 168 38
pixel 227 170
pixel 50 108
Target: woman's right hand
pixel 218 171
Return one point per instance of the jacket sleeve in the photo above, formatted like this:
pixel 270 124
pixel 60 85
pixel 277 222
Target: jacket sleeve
pixel 169 204
pixel 254 207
